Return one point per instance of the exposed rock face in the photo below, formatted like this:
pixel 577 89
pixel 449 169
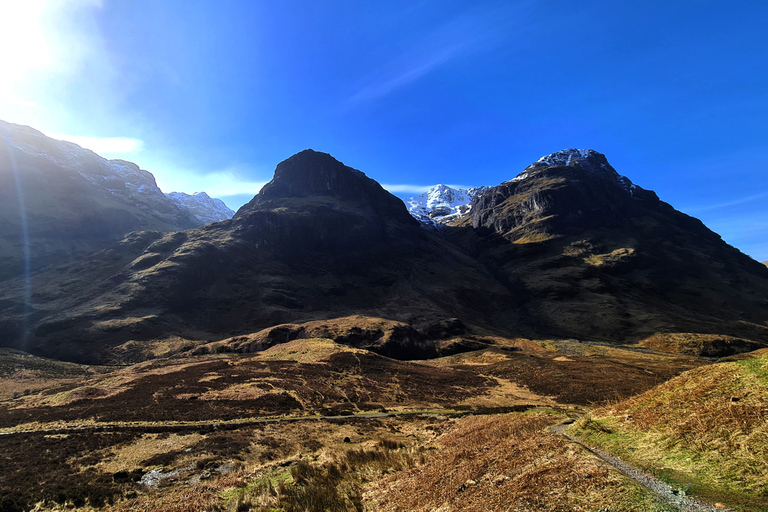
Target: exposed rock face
pixel 315 203
pixel 203 208
pixel 441 204
pixel 602 258
pixel 58 200
pixel 562 193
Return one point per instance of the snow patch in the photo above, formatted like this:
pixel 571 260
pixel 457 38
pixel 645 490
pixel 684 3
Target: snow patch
pixel 441 203
pixel 200 205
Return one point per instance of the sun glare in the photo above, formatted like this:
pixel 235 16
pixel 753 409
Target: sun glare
pixel 40 45
pixel 25 43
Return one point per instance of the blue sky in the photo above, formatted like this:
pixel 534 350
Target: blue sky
pixel 211 95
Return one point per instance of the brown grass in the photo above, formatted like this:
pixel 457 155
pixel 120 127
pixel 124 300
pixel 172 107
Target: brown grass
pixel 707 428
pixel 507 463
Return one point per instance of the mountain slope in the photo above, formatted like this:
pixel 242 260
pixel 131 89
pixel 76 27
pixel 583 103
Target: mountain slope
pixel 58 200
pixel 441 203
pixel 201 206
pixel 568 249
pixel 601 258
pixel 320 241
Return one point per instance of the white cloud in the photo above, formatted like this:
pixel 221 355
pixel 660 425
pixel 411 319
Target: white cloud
pixel 476 29
pixel 404 73
pixel 405 188
pixel 727 204
pixel 235 180
pixel 224 184
pixel 109 147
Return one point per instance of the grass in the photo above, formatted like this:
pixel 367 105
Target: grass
pixel 706 430
pixel 333 484
pixel 508 462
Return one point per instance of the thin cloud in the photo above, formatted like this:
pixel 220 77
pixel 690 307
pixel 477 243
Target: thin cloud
pixel 475 30
pixel 404 188
pixel 411 72
pixel 105 146
pixel 728 204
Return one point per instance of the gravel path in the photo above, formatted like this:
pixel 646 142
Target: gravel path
pixel 664 491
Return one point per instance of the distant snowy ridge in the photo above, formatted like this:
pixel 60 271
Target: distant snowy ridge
pixel 201 206
pixel 441 203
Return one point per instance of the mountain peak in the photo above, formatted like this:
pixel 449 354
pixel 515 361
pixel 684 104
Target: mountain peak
pixel 441 203
pixel 310 173
pixel 588 159
pixel 204 208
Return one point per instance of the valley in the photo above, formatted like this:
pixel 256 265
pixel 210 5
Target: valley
pixel 325 349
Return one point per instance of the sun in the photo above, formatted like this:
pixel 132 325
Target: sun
pixel 39 46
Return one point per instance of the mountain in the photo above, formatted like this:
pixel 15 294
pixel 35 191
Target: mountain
pixel 441 203
pixel 58 200
pixel 602 258
pixel 567 249
pixel 202 207
pixel 320 241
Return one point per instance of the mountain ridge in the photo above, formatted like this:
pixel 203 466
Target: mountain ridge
pixel 441 203
pixel 59 201
pixel 572 251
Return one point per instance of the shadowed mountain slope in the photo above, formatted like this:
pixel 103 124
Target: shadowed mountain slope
pixel 601 258
pixel 58 200
pixel 321 240
pixel 568 249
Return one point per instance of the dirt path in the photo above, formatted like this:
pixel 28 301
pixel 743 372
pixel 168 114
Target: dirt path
pixel 207 425
pixel 664 491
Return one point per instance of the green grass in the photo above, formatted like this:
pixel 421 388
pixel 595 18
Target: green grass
pixel 705 432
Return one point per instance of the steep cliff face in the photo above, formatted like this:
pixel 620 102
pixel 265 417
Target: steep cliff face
pixel 316 204
pixel 562 193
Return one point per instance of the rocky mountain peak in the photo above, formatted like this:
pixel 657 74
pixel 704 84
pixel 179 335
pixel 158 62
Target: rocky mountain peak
pixel 568 157
pixel 441 203
pixel 203 207
pixel 582 161
pixel 312 174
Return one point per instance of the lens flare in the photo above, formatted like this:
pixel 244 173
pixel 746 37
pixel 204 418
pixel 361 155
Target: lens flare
pixel 25 241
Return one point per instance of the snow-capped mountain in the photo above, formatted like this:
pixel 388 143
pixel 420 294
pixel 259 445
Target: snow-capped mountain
pixel 588 159
pixel 201 206
pixel 441 203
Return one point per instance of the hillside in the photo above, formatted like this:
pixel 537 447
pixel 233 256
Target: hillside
pixel 572 251
pixel 598 257
pixel 59 201
pixel 311 419
pixel 705 431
